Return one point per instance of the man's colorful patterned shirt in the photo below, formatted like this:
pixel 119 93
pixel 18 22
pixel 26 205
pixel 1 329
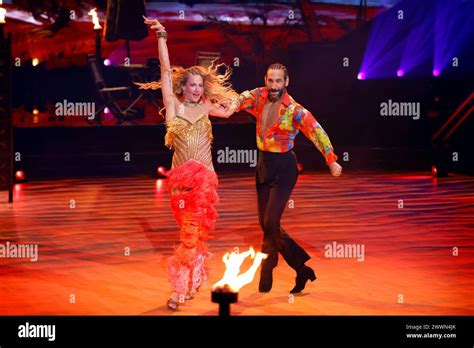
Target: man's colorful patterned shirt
pixel 292 117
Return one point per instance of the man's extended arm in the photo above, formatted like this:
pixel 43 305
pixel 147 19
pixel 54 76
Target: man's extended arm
pixel 315 132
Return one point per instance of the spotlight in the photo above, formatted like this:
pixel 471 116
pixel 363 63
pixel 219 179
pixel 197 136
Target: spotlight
pixel 436 72
pixel 361 75
pixel 106 110
pixel 20 175
pixel 161 171
pixel 439 170
pixel 400 72
pixel 35 62
pixel 440 162
pixel 35 111
pixel 107 62
pixel 300 167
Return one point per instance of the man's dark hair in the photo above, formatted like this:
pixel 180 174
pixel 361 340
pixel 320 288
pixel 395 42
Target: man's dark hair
pixel 278 66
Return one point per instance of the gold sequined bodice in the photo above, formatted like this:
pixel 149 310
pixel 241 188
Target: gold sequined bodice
pixel 190 140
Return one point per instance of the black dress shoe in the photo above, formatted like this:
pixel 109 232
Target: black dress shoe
pixel 303 275
pixel 266 281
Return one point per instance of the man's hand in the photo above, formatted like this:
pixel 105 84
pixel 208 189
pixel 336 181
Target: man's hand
pixel 335 169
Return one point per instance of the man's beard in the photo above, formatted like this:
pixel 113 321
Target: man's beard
pixel 278 96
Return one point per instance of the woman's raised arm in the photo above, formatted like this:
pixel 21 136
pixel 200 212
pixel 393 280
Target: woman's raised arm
pixel 166 75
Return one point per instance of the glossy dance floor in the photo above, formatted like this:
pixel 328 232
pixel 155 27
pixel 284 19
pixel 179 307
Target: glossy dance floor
pixel 417 233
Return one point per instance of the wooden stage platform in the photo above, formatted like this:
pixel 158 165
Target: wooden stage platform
pixel 408 223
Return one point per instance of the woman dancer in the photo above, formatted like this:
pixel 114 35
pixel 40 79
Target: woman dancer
pixel 190 95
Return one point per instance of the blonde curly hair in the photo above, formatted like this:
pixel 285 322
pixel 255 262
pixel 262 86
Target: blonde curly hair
pixel 217 87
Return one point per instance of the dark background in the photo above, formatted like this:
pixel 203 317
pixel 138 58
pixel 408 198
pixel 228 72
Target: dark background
pixel 347 108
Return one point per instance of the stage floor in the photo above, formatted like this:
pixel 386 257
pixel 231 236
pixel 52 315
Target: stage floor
pixel 83 227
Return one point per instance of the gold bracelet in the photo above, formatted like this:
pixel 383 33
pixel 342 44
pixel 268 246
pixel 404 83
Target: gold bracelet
pixel 162 34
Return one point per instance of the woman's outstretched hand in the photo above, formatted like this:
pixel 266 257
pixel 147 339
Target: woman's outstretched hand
pixel 154 24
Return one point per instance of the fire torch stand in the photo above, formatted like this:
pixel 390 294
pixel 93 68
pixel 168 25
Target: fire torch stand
pixel 224 297
pixel 98 44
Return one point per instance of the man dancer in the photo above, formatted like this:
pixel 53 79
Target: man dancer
pixel 279 119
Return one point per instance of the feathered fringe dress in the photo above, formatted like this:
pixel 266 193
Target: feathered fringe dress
pixel 192 184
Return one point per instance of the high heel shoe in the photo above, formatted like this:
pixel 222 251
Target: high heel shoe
pixel 302 277
pixel 172 302
pixel 172 305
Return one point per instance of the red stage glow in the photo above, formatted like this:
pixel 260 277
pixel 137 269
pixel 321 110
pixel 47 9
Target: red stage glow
pixel 159 184
pixel 413 177
pixel 434 170
pixel 18 188
pixel 300 167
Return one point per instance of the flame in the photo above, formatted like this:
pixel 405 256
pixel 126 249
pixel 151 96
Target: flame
pixel 95 19
pixel 232 262
pixel 3 13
